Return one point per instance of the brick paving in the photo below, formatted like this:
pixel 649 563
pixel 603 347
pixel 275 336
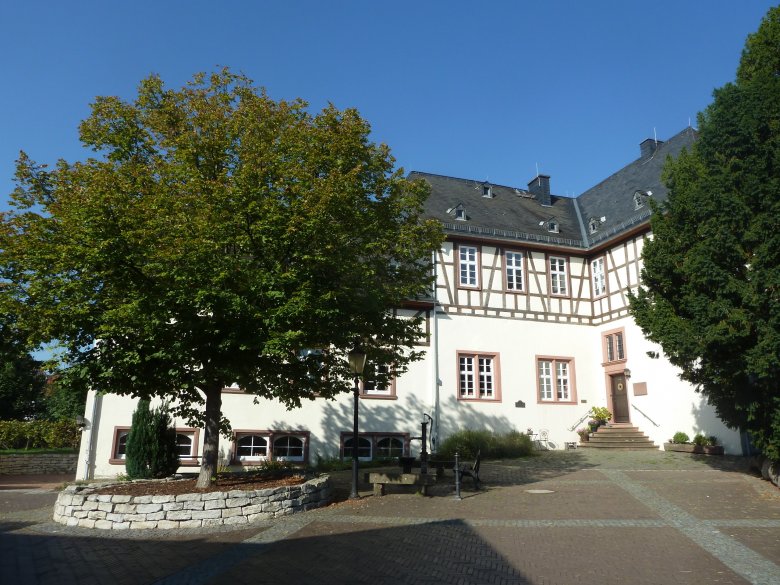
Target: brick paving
pixel 561 518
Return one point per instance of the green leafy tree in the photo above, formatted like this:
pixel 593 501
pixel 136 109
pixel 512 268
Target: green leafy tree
pixel 151 443
pixel 22 379
pixel 216 238
pixel 711 277
pixel 63 401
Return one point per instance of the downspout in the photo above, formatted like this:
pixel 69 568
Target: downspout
pixel 436 414
pixel 96 403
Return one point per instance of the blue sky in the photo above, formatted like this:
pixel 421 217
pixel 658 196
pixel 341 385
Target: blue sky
pixel 475 90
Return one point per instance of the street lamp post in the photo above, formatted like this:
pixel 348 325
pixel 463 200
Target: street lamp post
pixel 357 361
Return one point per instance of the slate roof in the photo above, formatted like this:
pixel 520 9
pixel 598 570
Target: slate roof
pixel 513 213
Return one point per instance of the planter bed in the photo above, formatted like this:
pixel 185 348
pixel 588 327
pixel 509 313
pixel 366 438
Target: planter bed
pixel 697 449
pixel 81 505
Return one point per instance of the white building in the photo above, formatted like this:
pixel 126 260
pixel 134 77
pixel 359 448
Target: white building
pixel 530 330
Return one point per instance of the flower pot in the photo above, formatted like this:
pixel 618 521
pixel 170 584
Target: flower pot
pixel 696 449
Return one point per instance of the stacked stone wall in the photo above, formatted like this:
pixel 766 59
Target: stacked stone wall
pixel 38 463
pixel 81 506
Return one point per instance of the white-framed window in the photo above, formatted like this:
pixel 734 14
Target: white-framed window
pixel 559 280
pixel 555 379
pixel 372 445
pixel 313 360
pixel 487 190
pixel 513 263
pixel 614 346
pixel 365 450
pixel 478 376
pixel 185 443
pixel 120 444
pixel 288 448
pixel 468 266
pixel 377 381
pixel 598 276
pixel 389 447
pixel 251 447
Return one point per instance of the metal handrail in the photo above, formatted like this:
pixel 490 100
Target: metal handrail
pixel 586 415
pixel 644 415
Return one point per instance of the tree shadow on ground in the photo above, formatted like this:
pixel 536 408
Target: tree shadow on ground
pixel 322 552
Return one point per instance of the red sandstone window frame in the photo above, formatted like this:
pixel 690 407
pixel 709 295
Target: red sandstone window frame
pixel 555 380
pixel 474 382
pixel 190 461
pixel 522 269
pixel 563 276
pixel 477 266
pixel 271 436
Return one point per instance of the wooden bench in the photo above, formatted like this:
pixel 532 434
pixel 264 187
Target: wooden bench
pixel 380 480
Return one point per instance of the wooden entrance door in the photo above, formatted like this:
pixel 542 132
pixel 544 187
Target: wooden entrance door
pixel 619 399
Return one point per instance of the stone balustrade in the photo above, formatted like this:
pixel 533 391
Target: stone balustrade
pixel 79 505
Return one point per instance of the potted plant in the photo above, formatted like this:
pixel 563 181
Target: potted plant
pixel 682 443
pixel 584 433
pixel 600 416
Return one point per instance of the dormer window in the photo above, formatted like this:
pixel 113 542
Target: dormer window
pixel 551 225
pixel 594 223
pixel 458 212
pixel 487 190
pixel 640 197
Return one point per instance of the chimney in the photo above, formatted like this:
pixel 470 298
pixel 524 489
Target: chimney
pixel 540 188
pixel 648 147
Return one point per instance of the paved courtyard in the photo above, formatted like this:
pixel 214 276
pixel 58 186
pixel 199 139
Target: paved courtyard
pixel 581 516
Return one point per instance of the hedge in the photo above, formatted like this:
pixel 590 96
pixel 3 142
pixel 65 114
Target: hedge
pixel 39 434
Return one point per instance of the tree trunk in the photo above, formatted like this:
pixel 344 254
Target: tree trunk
pixel 208 464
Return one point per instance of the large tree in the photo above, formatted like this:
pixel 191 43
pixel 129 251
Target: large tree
pixel 217 238
pixel 711 279
pixel 22 380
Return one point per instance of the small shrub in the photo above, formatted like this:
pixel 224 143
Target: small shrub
pixel 699 440
pixel 680 437
pixel 492 446
pixel 712 440
pixel 332 463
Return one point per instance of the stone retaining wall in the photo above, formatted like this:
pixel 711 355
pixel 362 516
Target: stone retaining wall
pixel 38 463
pixel 81 506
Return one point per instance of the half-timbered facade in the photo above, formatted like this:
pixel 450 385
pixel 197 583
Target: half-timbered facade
pixel 528 328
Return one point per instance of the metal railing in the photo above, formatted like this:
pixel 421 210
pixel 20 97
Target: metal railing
pixel 579 422
pixel 644 415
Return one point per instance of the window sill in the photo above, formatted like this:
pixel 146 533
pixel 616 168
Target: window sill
pixel 461 399
pixel 379 396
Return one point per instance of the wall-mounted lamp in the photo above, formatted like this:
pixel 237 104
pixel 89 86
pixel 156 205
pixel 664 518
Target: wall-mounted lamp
pixel 80 422
pixel 627 373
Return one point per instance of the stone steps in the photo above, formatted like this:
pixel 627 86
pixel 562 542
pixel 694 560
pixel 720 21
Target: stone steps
pixel 618 437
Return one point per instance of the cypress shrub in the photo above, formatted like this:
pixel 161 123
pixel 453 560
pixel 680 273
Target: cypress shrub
pixel 151 443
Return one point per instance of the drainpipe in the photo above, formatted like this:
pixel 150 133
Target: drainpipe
pixel 435 347
pixel 88 467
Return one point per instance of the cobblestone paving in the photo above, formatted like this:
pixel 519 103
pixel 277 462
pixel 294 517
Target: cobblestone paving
pixel 560 518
